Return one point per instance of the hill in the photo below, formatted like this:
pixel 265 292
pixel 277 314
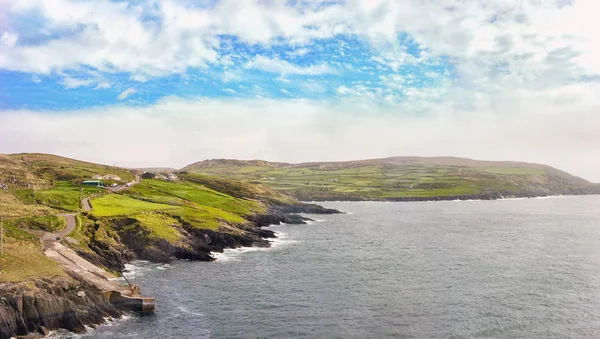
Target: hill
pixel 154 219
pixel 401 178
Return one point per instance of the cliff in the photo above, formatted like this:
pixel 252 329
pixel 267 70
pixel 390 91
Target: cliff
pixel 45 304
pixel 155 220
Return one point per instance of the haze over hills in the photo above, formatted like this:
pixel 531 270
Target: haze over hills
pixel 402 178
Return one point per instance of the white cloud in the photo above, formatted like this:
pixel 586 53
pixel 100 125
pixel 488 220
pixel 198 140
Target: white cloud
pixel 8 39
pixel 298 52
pixel 171 133
pixel 103 85
pixel 539 43
pixel 283 67
pixel 69 82
pixel 126 93
pixel 432 75
pixel 232 76
pixel 516 93
pixel 139 77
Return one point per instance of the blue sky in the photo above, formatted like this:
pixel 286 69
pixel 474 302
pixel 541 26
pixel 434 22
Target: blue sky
pixel 302 80
pixel 323 69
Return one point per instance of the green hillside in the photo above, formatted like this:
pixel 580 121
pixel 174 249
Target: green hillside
pixel 400 178
pixel 153 219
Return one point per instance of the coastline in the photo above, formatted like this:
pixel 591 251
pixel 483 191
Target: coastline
pixel 474 197
pixel 27 312
pixel 228 255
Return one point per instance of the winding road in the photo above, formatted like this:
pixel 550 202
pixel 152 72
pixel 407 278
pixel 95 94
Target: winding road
pixel 85 205
pixel 71 224
pixel 71 261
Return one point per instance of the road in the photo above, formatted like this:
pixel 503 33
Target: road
pixel 71 224
pixel 119 188
pixel 83 268
pixel 71 261
pixel 85 205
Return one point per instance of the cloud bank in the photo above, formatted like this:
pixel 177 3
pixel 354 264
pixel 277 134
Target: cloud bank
pixel 173 82
pixel 172 133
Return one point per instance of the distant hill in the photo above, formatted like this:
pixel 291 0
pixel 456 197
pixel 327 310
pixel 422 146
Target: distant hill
pixel 402 178
pixel 157 169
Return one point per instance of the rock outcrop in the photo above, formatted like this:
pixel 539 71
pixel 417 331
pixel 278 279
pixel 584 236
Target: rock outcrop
pixel 51 303
pixel 130 240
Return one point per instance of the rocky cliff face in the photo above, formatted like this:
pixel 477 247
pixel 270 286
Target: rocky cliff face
pixel 130 240
pixel 51 303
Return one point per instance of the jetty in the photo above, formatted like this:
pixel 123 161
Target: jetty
pixel 123 296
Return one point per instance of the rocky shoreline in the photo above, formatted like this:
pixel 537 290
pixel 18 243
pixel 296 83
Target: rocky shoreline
pixel 486 196
pixel 32 309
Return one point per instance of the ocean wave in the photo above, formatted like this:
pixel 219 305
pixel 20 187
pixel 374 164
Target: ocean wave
pixel 136 268
pixel 185 310
pixel 236 254
pixel 89 331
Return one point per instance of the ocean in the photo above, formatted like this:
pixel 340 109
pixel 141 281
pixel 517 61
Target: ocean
pixel 524 268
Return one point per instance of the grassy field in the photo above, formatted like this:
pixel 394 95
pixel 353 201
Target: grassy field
pixel 48 223
pixel 118 205
pixel 11 206
pixel 160 226
pixel 37 184
pixel 395 178
pixel 64 196
pixel 34 188
pixel 23 258
pixel 155 200
pixel 55 168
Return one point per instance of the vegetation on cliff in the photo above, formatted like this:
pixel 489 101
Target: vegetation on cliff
pixel 155 220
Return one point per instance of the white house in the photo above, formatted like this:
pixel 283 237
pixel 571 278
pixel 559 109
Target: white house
pixel 112 177
pixel 97 177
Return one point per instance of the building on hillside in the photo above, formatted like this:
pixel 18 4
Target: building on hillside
pixel 172 177
pixel 160 176
pixel 94 183
pixel 148 175
pixel 97 177
pixel 112 177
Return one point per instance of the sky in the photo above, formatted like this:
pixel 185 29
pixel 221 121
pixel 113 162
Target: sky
pixel 167 83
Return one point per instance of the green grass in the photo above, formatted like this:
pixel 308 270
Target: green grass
pixel 64 197
pixel 12 206
pixel 159 204
pixel 48 223
pixel 334 181
pixel 514 171
pixel 160 226
pixel 25 260
pixel 51 167
pixel 117 205
pixel 195 204
pixel 177 192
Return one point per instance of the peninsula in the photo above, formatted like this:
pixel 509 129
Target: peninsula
pixel 401 178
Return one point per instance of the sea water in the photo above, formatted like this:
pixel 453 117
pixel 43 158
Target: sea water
pixel 471 269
